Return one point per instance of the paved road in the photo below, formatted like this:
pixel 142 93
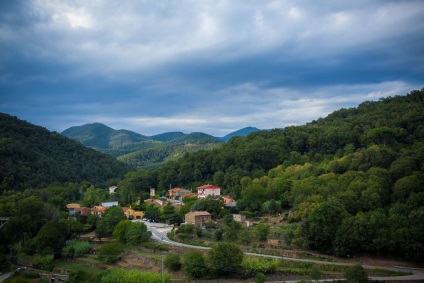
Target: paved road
pixel 160 230
pixel 5 276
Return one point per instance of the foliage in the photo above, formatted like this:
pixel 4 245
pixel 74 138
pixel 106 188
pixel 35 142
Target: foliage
pixel 173 262
pixel 136 233
pixel 152 212
pixel 257 264
pixel 175 219
pixel 315 273
pixel 130 276
pixel 356 274
pixel 45 262
pixel 224 258
pixel 194 264
pixel 260 277
pixel 51 238
pixel 34 157
pixel 108 222
pixel 262 231
pixel 186 229
pixel 211 204
pixel 76 248
pixel 110 252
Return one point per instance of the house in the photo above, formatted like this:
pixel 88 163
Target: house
pixel 82 210
pixel 98 210
pixel 198 218
pixel 112 189
pixel 132 214
pixel 227 199
pixel 177 193
pixel 71 208
pixel 207 190
pixel 239 218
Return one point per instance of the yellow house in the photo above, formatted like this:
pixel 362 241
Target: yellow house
pixel 132 214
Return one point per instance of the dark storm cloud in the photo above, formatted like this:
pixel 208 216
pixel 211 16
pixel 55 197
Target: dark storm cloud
pixel 160 66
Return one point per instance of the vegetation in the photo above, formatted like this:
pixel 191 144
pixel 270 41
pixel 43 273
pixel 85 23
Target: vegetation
pixel 33 157
pixel 348 184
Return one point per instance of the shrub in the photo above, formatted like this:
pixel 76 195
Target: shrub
pixel 110 253
pixel 194 264
pixel 356 274
pixel 263 265
pixel 45 262
pixel 130 276
pixel 173 262
pixel 186 229
pixel 260 278
pixel 217 235
pixel 76 248
pixel 224 258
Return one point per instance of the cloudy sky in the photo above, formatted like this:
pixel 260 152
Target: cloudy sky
pixel 209 66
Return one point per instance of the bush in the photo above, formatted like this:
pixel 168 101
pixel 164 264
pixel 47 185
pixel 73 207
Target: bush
pixel 356 274
pixel 217 235
pixel 263 265
pixel 76 249
pixel 110 253
pixel 260 278
pixel 45 262
pixel 130 276
pixel 194 264
pixel 173 262
pixel 224 258
pixel 186 229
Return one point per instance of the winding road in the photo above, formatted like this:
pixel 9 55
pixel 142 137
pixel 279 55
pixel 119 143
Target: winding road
pixel 159 231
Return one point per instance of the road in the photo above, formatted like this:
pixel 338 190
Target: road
pixel 4 276
pixel 160 230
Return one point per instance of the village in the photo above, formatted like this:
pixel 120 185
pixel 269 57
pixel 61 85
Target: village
pixel 175 198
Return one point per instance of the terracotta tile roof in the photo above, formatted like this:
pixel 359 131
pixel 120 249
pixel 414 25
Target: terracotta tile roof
pixel 208 187
pixel 176 189
pixel 72 205
pixel 199 213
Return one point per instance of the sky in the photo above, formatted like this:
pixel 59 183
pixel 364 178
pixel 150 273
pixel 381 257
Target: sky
pixel 203 66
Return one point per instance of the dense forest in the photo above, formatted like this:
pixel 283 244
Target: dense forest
pixel 351 183
pixel 353 180
pixel 137 150
pixel 33 157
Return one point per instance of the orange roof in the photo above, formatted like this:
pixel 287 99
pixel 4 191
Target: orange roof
pixel 208 187
pixel 199 213
pixel 99 208
pixel 189 195
pixel 72 205
pixel 176 190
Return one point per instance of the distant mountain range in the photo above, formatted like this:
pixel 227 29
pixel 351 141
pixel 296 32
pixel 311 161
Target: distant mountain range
pixel 144 151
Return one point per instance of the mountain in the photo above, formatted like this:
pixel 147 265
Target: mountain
pixel 240 133
pixel 98 135
pixel 33 157
pixel 138 150
pixel 166 137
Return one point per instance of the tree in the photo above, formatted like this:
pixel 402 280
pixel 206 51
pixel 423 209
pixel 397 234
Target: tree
pixel 211 204
pixel 262 231
pixel 152 212
pixel 173 262
pixel 175 219
pixel 110 252
pixel 51 238
pixel 167 211
pixel 137 233
pixel 194 264
pixel 120 230
pixel 110 219
pixel 224 258
pixel 356 274
pixel 322 224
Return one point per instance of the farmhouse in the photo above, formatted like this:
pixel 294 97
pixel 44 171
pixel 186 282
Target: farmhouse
pixel 207 190
pixel 198 218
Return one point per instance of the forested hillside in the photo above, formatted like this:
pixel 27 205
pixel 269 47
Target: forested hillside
pixel 354 180
pixel 138 150
pixel 33 157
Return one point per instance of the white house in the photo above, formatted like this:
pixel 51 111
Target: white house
pixel 207 190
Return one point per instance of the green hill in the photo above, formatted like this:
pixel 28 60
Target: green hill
pixel 138 150
pixel 97 135
pixel 33 157
pixel 353 182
